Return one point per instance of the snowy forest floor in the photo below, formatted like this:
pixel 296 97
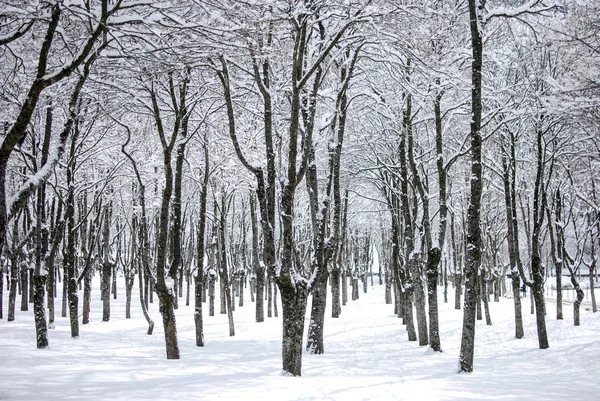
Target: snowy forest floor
pixel 367 357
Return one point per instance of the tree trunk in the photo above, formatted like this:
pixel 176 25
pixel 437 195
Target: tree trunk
pixel 24 286
pixel 51 289
pixel 336 308
pixel 106 284
pixel 269 296
pixel 211 294
pixel 167 310
pixel 445 278
pixel 344 287
pixel 420 306
pixel 39 312
pixel 143 302
pixel 222 292
pixel 433 259
pixel 294 300
pixel 275 312
pixel 314 341
pixel 485 298
pixel 388 287
pixel 407 315
pixel 473 254
pixel 114 281
pixel 537 269
pixel 87 298
pixel 12 292
pixel 198 321
pixel 128 287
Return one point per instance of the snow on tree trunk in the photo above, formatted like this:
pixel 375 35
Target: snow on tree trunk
pixel 473 254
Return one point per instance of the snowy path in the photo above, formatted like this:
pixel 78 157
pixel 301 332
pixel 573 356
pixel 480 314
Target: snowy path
pixel 367 358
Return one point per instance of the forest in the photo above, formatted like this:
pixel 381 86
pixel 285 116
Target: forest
pixel 299 151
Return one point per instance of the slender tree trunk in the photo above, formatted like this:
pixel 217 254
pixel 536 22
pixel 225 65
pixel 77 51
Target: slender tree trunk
pixel 537 268
pixel 128 288
pixel 87 298
pixel 224 268
pixel 143 302
pixel 24 286
pixel 269 296
pixel 433 259
pixel 200 254
pixel 39 312
pixel 485 298
pixel 467 347
pixel 14 282
pixel 336 308
pixel 344 287
pixel 106 284
pixel 211 294
pixel 457 267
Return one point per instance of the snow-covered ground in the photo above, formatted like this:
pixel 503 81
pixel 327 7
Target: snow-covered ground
pixel 367 357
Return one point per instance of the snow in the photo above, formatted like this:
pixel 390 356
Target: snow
pixel 367 357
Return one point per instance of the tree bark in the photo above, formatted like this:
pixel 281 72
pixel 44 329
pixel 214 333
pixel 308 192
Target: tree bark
pixel 200 253
pixel 467 347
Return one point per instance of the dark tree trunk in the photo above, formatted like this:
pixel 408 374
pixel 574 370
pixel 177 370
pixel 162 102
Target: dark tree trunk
pixel 63 311
pixel 70 276
pixel 198 319
pixel 314 340
pixel 222 292
pixel 512 237
pixel 165 289
pixel 269 296
pixel 294 309
pixel 211 294
pixel 485 298
pixel 87 298
pixel 259 270
pixel 129 280
pixel 433 259
pixel 537 268
pixel 200 254
pixel 107 266
pixel 143 303
pixel 41 238
pixel 457 266
pixel 445 278
pixel 39 312
pixel 24 286
pixel 275 312
pixel 224 276
pixel 344 287
pixel 474 246
pixel 14 282
pixel 105 288
pixel 336 308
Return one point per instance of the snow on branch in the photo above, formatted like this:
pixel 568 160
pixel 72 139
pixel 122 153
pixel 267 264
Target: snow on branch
pixel 531 7
pixel 14 202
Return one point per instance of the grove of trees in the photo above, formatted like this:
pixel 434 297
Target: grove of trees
pixel 274 146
